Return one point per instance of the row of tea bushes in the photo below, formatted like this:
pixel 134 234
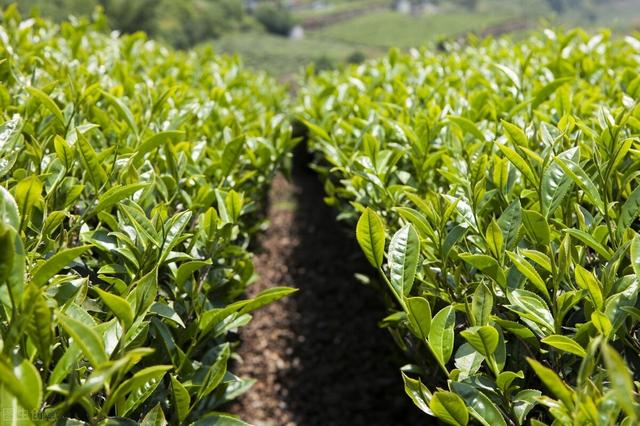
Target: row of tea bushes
pixel 497 193
pixel 131 180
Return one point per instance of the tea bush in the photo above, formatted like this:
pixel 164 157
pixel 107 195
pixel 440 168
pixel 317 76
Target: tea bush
pixel 131 181
pixel 497 194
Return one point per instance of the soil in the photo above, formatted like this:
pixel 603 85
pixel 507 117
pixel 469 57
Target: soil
pixel 318 356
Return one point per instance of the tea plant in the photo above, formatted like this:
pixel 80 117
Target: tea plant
pixel 131 180
pixel 496 188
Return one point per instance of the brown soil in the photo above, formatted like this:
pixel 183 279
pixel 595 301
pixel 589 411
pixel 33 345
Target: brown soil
pixel 318 356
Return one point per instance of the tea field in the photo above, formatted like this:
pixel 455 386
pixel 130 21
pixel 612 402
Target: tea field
pixel 131 181
pixel 337 32
pixel 169 252
pixel 495 191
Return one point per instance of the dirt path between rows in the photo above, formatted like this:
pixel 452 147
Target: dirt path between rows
pixel 318 356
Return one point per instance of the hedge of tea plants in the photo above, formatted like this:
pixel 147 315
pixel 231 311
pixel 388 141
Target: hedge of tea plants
pixel 495 189
pixel 131 180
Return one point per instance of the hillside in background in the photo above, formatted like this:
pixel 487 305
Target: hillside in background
pixel 284 36
pixel 338 31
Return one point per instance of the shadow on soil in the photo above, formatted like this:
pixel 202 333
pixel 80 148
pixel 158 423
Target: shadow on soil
pixel 346 369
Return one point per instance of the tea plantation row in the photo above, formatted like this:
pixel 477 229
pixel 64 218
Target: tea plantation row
pixel 496 192
pixel 131 180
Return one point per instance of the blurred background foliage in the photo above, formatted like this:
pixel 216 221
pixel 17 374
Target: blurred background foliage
pixel 182 23
pixel 281 36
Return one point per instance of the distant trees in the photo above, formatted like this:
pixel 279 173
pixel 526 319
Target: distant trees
pixel 182 23
pixel 129 16
pixel 275 19
pixel 54 9
pixel 188 22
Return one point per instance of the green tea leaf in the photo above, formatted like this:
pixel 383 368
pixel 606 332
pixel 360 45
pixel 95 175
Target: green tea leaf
pixel 544 93
pixel 370 234
pixel 64 152
pixel 591 242
pixel 155 417
pixel 89 159
pixel 551 380
pixel 587 281
pixel 404 251
pixel 167 312
pixel 629 212
pixel 418 393
pixel 146 290
pixel 91 344
pixel 134 391
pixel 500 174
pixel 48 103
pixel 23 381
pixel 555 183
pixel 12 265
pixel 11 143
pixel 218 419
pixel 487 265
pixel 187 269
pixel 580 178
pixel 506 378
pixel 524 401
pixel 516 134
pixel 468 360
pixel 40 328
pixel 441 334
pixel 621 381
pixel 481 304
pixel 9 209
pixel 495 239
pixel 120 307
pixel 529 272
pixel 519 163
pixel 536 226
pixel 152 143
pixel 215 373
pixel 265 297
pixel 602 323
pixel 173 230
pixel 316 130
pixel 484 339
pixel 43 272
pixel 233 202
pixel 510 222
pixel 28 192
pixel 138 218
pixel 634 252
pixel 450 408
pixel 181 399
pixel 467 125
pixel 116 194
pixel 123 111
pixel 509 73
pixel 565 344
pixel 230 155
pixel 479 405
pixel 418 220
pixel 532 306
pixel 419 315
pixel 538 257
